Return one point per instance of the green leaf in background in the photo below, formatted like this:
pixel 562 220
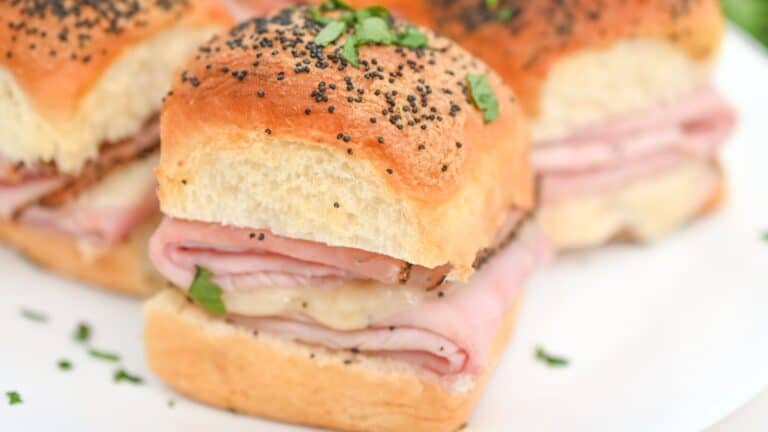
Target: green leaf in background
pixel 752 15
pixel 207 293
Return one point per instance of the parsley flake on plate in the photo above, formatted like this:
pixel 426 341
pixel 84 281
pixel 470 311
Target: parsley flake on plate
pixel 104 355
pixel 550 359
pixel 123 375
pixel 83 332
pixel 14 398
pixel 33 315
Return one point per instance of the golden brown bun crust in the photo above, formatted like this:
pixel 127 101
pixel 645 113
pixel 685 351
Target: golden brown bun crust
pixel 124 268
pixel 224 88
pixel 229 367
pixel 540 32
pixel 57 61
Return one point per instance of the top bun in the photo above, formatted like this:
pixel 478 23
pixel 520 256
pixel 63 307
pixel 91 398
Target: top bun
pixel 76 74
pixel 575 62
pixel 265 129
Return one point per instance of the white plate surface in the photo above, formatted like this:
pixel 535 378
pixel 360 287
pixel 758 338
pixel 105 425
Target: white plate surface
pixel 671 337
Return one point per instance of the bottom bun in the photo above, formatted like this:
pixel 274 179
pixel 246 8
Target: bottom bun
pixel 642 211
pixel 263 375
pixel 124 268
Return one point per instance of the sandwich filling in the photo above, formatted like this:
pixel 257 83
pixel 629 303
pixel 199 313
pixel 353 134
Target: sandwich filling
pixel 349 299
pixel 621 150
pixel 100 204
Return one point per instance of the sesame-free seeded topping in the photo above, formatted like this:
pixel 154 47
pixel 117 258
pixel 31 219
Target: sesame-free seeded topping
pixel 556 24
pixel 69 27
pixel 402 90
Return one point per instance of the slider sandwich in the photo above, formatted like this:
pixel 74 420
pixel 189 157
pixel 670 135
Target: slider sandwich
pixel 627 127
pixel 81 85
pixel 342 253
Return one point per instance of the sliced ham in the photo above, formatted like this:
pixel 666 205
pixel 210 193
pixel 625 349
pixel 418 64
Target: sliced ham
pixel 243 259
pixel 40 196
pixel 450 335
pixel 636 145
pixel 16 196
pixel 92 226
pixel 22 185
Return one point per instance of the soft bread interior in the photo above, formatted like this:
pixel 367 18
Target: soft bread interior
pixel 128 93
pixel 591 86
pixel 298 188
pixel 229 367
pixel 644 210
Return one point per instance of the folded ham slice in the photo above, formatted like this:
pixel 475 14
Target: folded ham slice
pixel 243 259
pixel 622 149
pixel 96 227
pixel 449 334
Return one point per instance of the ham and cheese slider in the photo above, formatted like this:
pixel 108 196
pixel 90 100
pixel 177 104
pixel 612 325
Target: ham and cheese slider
pixel 627 127
pixel 342 252
pixel 81 85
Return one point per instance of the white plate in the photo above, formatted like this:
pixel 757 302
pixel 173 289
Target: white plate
pixel 665 338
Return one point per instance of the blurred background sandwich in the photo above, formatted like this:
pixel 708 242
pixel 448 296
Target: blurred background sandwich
pixel 81 84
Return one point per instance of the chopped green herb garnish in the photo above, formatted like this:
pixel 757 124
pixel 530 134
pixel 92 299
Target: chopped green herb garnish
pixel 14 398
pixel 765 236
pixel 332 31
pixel 33 315
pixel 122 375
pixel 371 25
pixel 506 13
pixel 103 355
pixel 318 17
pixel 207 293
pixel 412 37
pixel 335 5
pixel 491 4
pixel 373 30
pixel 372 11
pixel 65 365
pixel 349 52
pixel 483 96
pixel 549 359
pixel 171 403
pixel 83 332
